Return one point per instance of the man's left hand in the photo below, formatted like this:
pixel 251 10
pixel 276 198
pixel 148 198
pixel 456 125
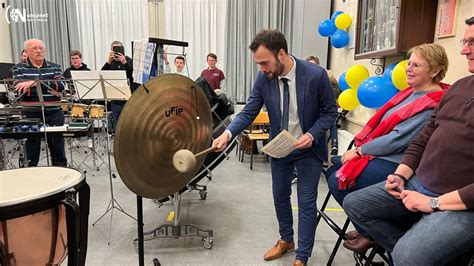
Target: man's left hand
pixel 415 201
pixel 304 142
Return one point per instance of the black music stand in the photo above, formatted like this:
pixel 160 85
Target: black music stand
pixel 106 85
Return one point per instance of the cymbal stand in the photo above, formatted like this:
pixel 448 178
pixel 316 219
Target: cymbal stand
pixel 177 230
pixel 113 203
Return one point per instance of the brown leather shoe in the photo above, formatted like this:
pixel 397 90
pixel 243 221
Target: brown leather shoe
pixel 278 250
pixel 299 263
pixel 351 235
pixel 359 245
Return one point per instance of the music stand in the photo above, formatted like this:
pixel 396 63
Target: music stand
pixel 106 85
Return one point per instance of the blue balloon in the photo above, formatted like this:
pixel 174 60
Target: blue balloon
pixel 343 83
pixel 339 39
pixel 388 70
pixel 335 14
pixel 326 28
pixel 374 92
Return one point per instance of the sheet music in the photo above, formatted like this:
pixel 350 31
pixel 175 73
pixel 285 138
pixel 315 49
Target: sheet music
pixel 88 86
pixel 281 145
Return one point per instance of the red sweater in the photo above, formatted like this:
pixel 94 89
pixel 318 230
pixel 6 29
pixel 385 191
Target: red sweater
pixel 443 152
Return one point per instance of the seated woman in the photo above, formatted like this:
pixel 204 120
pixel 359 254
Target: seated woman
pixel 381 143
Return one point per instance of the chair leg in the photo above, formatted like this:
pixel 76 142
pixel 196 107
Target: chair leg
pixel 323 207
pixel 339 240
pixel 251 155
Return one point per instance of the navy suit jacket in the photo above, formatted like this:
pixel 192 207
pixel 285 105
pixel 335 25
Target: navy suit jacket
pixel 316 105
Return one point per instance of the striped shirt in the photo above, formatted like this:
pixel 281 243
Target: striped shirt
pixel 51 78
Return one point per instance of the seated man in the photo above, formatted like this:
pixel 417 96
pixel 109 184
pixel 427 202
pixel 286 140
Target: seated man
pixel 423 213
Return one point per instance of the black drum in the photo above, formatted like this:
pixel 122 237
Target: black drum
pixel 40 220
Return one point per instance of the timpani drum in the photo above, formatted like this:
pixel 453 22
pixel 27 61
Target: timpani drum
pixel 78 110
pixel 40 221
pixel 96 111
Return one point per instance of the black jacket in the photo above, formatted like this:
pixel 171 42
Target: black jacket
pixel 67 72
pixel 128 67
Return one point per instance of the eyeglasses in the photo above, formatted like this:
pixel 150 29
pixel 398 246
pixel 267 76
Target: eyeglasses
pixel 470 43
pixel 40 48
pixel 414 65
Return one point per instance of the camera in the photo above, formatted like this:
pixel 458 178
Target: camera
pixel 119 49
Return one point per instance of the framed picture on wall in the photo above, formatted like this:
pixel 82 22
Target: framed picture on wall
pixel 447 18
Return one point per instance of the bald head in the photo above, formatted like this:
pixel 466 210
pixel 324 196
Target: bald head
pixel 36 51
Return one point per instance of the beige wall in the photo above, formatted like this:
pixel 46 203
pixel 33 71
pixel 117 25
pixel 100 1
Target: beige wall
pixel 156 24
pixel 342 59
pixel 6 55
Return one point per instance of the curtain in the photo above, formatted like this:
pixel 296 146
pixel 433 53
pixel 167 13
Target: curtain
pixel 59 31
pixel 202 25
pixel 246 18
pixel 104 21
pixel 227 29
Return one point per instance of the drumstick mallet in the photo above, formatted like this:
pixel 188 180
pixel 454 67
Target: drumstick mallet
pixel 185 161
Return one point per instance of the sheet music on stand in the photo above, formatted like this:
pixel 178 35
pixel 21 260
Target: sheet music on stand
pixel 88 85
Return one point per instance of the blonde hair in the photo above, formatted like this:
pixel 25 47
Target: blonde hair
pixel 436 57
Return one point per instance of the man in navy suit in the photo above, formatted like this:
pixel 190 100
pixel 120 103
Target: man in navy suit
pixel 299 98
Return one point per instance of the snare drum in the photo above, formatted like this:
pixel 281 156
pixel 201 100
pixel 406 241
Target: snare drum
pixel 78 110
pixel 40 220
pixel 96 111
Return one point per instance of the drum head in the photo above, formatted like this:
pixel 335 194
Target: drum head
pixel 167 114
pixel 28 184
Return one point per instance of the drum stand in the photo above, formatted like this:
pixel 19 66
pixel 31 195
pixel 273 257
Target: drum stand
pixel 113 204
pixel 95 155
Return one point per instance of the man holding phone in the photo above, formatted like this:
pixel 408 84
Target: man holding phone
pixel 117 60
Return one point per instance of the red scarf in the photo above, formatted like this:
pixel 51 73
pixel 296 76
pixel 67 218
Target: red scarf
pixel 375 128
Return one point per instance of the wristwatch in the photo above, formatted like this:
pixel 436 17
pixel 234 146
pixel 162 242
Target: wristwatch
pixel 434 204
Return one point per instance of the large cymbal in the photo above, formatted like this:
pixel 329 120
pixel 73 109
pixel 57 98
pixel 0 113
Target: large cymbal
pixel 167 114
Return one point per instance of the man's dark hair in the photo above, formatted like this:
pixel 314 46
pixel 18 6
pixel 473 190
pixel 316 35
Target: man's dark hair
pixel 273 40
pixel 75 52
pixel 314 58
pixel 179 57
pixel 213 55
pixel 470 21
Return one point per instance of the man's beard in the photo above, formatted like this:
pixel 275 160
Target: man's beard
pixel 278 70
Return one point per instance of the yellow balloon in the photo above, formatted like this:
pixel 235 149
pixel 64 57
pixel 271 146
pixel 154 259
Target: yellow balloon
pixel 343 21
pixel 399 75
pixel 348 99
pixel 355 75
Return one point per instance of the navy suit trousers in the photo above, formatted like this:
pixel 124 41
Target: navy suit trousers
pixel 308 166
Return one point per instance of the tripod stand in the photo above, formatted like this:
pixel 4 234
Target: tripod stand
pixel 113 85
